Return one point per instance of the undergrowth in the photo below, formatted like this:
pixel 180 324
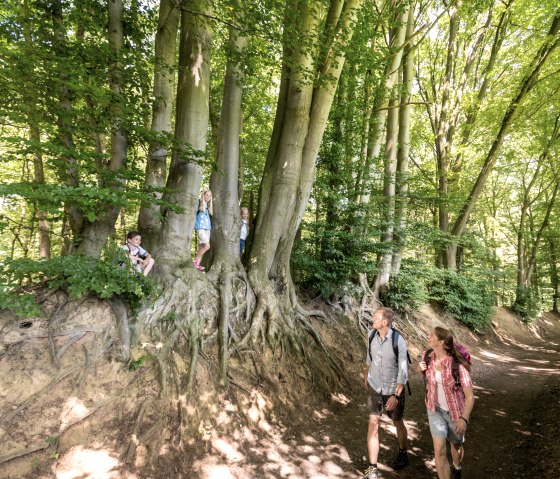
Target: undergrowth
pixel 76 274
pixel 464 296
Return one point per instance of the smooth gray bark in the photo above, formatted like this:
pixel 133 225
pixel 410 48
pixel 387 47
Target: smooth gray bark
pixel 149 221
pixel 39 178
pixel 224 181
pixel 299 126
pixel 401 180
pixel 95 233
pixel 398 36
pixel 69 174
pixel 172 247
pixel 383 96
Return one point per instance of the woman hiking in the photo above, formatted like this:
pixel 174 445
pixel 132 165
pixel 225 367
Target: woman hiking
pixel 449 401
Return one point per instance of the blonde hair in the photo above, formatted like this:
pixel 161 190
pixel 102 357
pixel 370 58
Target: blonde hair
pixel 203 201
pixel 244 209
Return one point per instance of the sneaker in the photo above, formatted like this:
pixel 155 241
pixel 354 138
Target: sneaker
pixel 371 473
pixel 401 460
pixel 455 473
pixel 197 265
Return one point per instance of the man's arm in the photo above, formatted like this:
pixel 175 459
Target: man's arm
pixel 402 376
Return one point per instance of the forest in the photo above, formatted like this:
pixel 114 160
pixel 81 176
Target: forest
pixel 395 152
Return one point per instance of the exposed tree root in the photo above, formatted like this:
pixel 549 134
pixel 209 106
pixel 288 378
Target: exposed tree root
pixel 52 320
pixel 134 442
pixel 25 452
pixel 47 444
pixel 181 329
pixel 369 304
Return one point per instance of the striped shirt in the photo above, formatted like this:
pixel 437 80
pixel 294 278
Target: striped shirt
pixel 453 394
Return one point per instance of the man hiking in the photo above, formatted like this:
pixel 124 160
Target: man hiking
pixel 385 376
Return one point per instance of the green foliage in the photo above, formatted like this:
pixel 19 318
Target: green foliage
pixel 408 290
pixel 170 317
pixel 19 301
pixel 76 274
pixel 468 299
pixel 136 364
pixel 331 257
pixel 527 305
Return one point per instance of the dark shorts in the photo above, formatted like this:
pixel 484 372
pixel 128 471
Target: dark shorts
pixel 376 405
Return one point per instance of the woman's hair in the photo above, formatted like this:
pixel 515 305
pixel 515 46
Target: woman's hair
pixel 203 201
pixel 447 337
pixel 244 209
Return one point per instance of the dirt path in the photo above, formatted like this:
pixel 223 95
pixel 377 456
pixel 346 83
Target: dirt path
pixel 513 431
pixel 516 386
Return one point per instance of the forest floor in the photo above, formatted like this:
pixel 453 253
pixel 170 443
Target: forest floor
pixel 296 434
pixel 513 431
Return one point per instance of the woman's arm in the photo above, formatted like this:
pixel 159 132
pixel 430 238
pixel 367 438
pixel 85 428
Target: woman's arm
pixel 462 423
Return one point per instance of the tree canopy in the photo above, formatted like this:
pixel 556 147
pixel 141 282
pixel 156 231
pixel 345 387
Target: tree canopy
pixel 407 141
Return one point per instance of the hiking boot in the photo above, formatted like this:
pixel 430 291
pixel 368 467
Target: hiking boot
pixel 371 473
pixel 455 473
pixel 401 460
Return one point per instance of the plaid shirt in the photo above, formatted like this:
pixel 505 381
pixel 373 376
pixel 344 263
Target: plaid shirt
pixel 453 394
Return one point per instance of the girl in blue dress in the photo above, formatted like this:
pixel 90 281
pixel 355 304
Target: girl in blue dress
pixel 203 225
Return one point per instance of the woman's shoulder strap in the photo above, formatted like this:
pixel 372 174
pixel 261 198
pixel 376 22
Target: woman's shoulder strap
pixel 428 356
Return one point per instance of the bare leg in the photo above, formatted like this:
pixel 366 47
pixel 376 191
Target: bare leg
pixel 440 453
pixel 402 433
pixel 148 267
pixel 373 439
pixel 201 250
pixel 457 453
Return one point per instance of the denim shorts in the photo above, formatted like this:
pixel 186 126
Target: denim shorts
pixel 441 425
pixel 376 404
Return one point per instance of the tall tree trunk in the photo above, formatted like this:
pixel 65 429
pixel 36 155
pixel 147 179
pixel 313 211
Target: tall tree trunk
pixel 172 247
pixel 532 259
pixel 224 185
pixel 526 203
pixel 442 146
pixel 383 96
pixel 365 138
pixel 39 179
pixel 35 137
pixel 224 181
pixel 445 115
pixel 526 266
pixel 472 113
pixel 301 118
pixel 149 222
pixel 553 271
pixel 398 35
pixel 95 233
pixel 549 45
pixel 69 173
pixel 403 145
